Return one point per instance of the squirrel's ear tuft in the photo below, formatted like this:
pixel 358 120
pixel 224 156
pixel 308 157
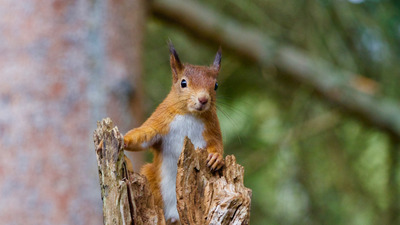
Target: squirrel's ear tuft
pixel 176 65
pixel 217 60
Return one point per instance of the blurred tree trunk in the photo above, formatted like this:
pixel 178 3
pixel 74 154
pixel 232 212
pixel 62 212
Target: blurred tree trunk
pixel 63 66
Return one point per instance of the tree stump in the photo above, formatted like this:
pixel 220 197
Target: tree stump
pixel 203 196
pixel 206 197
pixel 126 195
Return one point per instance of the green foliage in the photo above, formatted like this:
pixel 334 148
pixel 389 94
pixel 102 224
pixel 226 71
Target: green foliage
pixel 306 162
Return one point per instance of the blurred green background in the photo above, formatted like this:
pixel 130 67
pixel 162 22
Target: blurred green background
pixel 306 161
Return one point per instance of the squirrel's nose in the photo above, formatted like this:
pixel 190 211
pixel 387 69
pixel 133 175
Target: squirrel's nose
pixel 203 100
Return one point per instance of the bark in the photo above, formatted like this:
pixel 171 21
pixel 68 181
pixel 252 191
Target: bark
pixel 206 197
pixel 340 87
pixel 126 195
pixel 63 66
pixel 114 192
pixel 203 197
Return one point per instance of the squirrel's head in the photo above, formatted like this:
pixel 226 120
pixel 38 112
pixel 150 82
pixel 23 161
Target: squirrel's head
pixel 195 86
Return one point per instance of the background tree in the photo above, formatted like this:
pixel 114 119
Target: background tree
pixel 63 66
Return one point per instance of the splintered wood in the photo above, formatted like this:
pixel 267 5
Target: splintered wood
pixel 126 195
pixel 210 198
pixel 145 211
pixel 203 196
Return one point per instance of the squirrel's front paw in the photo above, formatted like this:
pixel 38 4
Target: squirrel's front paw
pixel 126 142
pixel 129 143
pixel 215 161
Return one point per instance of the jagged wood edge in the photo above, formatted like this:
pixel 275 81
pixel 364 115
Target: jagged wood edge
pixel 107 141
pixel 210 198
pixel 126 195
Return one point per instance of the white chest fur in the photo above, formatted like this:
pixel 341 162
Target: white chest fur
pixel 172 143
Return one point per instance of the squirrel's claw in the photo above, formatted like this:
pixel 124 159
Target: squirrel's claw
pixel 221 164
pixel 215 161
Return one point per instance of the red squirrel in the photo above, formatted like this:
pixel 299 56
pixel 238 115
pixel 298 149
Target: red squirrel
pixel 188 110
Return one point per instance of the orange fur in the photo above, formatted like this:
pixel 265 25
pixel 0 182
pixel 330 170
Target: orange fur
pixel 180 101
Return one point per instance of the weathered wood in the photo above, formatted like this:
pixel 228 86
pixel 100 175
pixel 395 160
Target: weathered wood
pixel 206 197
pixel 145 211
pixel 110 162
pixel 203 196
pixel 126 195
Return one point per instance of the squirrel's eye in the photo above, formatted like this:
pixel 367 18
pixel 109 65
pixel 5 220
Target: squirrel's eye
pixel 216 86
pixel 183 83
